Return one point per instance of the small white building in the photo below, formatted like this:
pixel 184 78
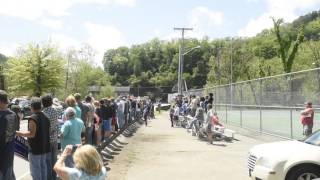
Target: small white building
pixel 122 90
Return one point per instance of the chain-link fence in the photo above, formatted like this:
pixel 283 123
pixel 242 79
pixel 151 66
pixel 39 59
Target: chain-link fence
pixel 268 105
pixel 156 93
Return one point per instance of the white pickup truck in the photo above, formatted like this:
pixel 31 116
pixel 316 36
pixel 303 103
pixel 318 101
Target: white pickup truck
pixel 286 160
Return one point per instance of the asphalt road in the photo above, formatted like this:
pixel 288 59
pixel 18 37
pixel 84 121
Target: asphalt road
pixel 160 152
pixel 21 166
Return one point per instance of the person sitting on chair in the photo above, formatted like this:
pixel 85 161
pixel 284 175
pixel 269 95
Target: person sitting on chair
pixel 215 120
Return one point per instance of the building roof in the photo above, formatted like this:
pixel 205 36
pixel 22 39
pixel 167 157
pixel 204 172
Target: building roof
pixel 122 89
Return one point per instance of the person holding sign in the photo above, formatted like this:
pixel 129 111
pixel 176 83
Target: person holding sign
pixel 39 140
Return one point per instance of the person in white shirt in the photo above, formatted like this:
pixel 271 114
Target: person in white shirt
pixel 176 113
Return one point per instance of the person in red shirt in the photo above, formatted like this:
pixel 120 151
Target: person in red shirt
pixel 215 120
pixel 306 118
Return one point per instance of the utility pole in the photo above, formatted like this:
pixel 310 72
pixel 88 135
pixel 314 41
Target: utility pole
pixel 231 79
pixel 181 53
pixel 219 65
pixel 67 74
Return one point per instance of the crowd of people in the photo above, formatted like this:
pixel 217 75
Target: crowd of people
pixel 201 111
pixel 79 123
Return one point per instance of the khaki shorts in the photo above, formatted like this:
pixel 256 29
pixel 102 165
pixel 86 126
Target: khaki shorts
pixel 307 129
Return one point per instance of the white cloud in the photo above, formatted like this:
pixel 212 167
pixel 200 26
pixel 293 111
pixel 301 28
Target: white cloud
pixel 157 32
pixel 201 13
pixel 204 20
pixel 64 42
pixel 8 49
pixel 35 10
pixel 103 37
pixel 286 9
pixel 51 23
pixel 99 37
pixel 253 1
pixel 129 3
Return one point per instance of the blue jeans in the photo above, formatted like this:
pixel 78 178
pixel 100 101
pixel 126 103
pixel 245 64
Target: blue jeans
pixel 9 174
pixel 38 166
pixel 195 123
pixel 89 135
pixel 51 161
pixel 6 164
pixel 120 120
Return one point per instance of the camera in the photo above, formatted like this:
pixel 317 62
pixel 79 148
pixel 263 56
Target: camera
pixel 74 148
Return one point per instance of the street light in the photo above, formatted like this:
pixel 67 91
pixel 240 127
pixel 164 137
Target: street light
pixel 180 73
pixel 197 47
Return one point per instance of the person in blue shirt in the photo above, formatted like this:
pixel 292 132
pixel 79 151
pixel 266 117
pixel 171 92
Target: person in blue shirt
pixel 71 132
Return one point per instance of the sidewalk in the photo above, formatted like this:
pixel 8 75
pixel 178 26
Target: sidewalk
pixel 159 152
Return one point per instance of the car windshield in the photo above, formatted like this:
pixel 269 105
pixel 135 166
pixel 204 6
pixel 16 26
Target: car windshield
pixel 314 139
pixel 24 103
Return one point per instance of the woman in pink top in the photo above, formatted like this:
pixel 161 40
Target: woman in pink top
pixel 307 119
pixel 215 120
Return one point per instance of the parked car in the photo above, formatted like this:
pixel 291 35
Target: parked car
pixel 286 160
pixel 25 106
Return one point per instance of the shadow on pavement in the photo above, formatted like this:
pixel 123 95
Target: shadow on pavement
pixel 113 147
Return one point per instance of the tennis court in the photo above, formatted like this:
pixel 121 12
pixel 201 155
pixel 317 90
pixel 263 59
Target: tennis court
pixel 274 121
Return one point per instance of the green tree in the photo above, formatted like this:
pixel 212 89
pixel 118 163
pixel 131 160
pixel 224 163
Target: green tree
pixel 82 73
pixel 106 92
pixel 35 70
pixel 3 58
pixel 312 30
pixel 288 47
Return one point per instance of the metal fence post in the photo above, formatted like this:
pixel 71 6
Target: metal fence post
pixel 241 96
pixel 260 103
pixel 291 125
pixel 226 113
pixel 215 99
pixel 291 104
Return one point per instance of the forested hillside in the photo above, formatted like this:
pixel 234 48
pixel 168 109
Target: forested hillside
pixel 3 58
pixel 155 63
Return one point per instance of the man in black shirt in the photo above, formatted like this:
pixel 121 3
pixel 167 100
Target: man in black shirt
pixel 39 140
pixel 210 98
pixel 9 123
pixel 106 116
pixel 114 108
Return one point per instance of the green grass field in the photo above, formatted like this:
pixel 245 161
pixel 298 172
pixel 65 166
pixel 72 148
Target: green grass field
pixel 273 121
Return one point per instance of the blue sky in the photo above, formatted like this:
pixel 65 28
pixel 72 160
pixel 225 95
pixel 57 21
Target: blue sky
pixel 105 24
